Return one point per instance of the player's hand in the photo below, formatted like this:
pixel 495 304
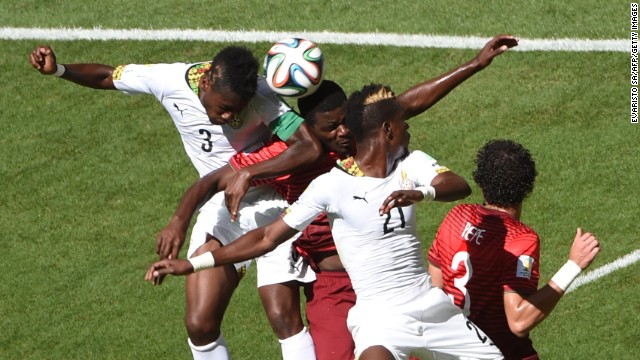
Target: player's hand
pixel 158 270
pixel 400 198
pixel 169 241
pixel 584 249
pixel 43 59
pixel 235 191
pixel 495 47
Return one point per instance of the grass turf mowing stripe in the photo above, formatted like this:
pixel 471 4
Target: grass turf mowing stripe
pixel 604 270
pixel 388 39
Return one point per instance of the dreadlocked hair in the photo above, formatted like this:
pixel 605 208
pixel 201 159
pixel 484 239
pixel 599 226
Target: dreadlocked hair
pixel 329 96
pixel 235 69
pixel 368 108
pixel 505 172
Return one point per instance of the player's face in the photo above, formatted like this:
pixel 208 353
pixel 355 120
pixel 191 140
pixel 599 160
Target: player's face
pixel 222 107
pixel 330 129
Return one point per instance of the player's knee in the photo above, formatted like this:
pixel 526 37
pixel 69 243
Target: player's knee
pixel 201 330
pixel 285 322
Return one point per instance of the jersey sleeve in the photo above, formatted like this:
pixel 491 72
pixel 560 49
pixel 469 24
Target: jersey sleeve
pixel 285 125
pixel 422 168
pixel 311 203
pixel 274 112
pixel 521 270
pixel 144 79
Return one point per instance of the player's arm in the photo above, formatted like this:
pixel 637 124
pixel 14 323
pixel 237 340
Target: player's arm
pixel 436 276
pixel 446 186
pixel 251 245
pixel 450 186
pixel 424 95
pixel 171 238
pixel 303 150
pixel 96 76
pixel 524 313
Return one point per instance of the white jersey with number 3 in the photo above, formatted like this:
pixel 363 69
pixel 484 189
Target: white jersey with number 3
pixel 382 254
pixel 208 146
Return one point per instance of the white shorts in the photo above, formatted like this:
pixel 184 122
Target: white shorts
pixel 429 327
pixel 261 206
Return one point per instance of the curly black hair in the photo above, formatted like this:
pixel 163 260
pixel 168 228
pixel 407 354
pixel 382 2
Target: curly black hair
pixel 234 69
pixel 505 172
pixel 327 97
pixel 368 108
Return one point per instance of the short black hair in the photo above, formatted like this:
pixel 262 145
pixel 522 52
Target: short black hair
pixel 327 97
pixel 505 172
pixel 235 69
pixel 368 108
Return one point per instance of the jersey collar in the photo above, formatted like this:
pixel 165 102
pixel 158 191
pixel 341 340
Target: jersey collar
pixel 195 73
pixel 349 166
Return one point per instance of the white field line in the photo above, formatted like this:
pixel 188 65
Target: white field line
pixel 596 274
pixel 325 37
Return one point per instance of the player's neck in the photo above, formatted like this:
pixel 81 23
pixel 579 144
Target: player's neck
pixel 514 211
pixel 372 160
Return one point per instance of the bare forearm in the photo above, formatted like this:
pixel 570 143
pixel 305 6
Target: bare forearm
pixel 450 187
pixel 96 76
pixel 254 243
pixel 423 96
pixel 196 196
pixel 303 150
pixel 530 311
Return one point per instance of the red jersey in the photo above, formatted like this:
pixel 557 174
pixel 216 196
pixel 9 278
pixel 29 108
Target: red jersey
pixel 316 239
pixel 290 186
pixel 482 254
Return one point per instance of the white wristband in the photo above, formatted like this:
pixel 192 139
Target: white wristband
pixel 565 276
pixel 201 262
pixel 428 191
pixel 60 70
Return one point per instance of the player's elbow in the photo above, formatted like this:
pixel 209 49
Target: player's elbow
pixel 520 328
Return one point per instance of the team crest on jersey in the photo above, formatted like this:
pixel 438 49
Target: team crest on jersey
pixel 407 184
pixel 236 123
pixel 525 266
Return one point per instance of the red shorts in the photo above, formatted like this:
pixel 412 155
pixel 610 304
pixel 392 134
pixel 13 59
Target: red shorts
pixel 328 303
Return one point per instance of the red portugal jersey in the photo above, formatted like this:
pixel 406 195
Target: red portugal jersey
pixel 290 186
pixel 482 254
pixel 316 240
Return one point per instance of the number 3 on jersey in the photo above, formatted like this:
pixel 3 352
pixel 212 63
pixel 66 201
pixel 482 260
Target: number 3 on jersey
pixel 207 146
pixel 460 283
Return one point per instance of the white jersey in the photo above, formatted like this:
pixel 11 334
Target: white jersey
pixel 382 254
pixel 208 146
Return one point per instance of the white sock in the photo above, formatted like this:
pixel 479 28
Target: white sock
pixel 299 346
pixel 217 350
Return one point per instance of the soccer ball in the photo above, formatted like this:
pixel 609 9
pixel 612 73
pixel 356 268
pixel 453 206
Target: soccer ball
pixel 294 67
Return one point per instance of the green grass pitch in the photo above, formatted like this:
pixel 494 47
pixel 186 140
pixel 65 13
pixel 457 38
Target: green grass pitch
pixel 88 177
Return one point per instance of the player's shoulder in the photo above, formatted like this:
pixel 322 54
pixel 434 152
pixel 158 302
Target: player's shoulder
pixel 520 231
pixel 418 157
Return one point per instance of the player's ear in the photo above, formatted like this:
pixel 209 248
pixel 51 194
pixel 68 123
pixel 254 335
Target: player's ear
pixel 386 126
pixel 205 83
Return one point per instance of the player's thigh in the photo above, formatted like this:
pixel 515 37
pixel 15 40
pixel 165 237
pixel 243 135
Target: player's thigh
pixel 209 291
